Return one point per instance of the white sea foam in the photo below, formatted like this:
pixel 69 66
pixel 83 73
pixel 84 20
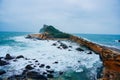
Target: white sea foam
pixel 45 53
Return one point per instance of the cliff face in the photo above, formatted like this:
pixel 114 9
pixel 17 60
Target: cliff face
pixel 109 56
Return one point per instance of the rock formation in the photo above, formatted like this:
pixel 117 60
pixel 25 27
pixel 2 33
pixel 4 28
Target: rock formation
pixel 48 32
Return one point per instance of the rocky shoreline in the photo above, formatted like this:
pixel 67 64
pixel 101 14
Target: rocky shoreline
pixel 33 68
pixel 28 71
pixel 109 56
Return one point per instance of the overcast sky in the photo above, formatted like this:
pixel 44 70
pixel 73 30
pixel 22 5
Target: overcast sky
pixel 73 16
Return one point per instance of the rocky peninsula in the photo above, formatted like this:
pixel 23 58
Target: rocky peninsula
pixel 51 54
pixel 109 56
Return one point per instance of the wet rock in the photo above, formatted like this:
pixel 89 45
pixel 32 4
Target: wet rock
pixel 8 57
pixel 118 40
pixel 28 37
pixel 50 71
pixel 59 41
pixel 2 72
pixel 1 57
pixel 29 67
pixel 20 56
pixel 50 76
pixel 89 52
pixel 33 59
pixel 59 47
pixel 24 72
pixel 42 65
pixel 27 59
pixel 79 61
pixel 56 62
pixel 64 46
pixel 36 61
pixel 48 67
pixel 54 44
pixel 15 60
pixel 70 46
pixel 16 77
pixel 60 73
pixel 2 62
pixel 35 75
pixel 44 73
pixel 38 64
pixel 79 49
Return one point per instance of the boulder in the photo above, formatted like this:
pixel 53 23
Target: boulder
pixel 60 73
pixel 50 71
pixel 44 73
pixel 2 62
pixel 64 46
pixel 89 52
pixel 42 65
pixel 2 71
pixel 54 44
pixel 70 46
pixel 29 67
pixel 59 41
pixel 28 36
pixel 35 75
pixel 8 57
pixel 36 61
pixel 50 76
pixel 20 56
pixel 79 49
pixel 1 57
pixel 79 61
pixel 59 47
pixel 48 67
pixel 56 62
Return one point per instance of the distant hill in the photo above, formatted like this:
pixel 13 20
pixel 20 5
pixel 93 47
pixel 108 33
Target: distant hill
pixel 52 31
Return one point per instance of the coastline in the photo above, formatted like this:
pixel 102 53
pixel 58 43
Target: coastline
pixel 103 60
pixel 109 56
pixel 60 55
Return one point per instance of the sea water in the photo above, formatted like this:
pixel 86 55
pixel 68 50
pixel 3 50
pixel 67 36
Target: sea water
pixel 15 44
pixel 104 39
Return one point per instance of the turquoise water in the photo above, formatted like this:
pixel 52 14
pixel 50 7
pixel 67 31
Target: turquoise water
pixel 99 38
pixel 14 42
pixel 5 37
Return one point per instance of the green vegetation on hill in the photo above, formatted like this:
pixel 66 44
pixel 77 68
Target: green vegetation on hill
pixel 55 33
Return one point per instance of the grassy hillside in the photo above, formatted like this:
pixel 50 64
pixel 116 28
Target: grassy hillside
pixel 52 31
